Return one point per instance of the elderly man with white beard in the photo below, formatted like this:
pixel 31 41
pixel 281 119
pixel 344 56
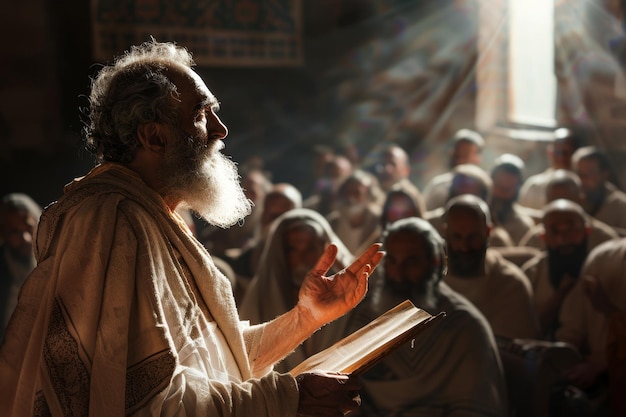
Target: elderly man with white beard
pixel 452 369
pixel 126 312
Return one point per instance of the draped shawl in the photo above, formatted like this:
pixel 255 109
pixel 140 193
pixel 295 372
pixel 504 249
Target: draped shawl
pixel 114 298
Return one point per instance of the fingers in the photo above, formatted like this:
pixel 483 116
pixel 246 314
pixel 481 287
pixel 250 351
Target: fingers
pixel 347 382
pixel 378 256
pixel 326 260
pixel 371 257
pixel 328 394
pixel 352 402
pixel 348 398
pixel 362 280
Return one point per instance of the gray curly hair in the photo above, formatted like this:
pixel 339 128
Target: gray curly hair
pixel 134 90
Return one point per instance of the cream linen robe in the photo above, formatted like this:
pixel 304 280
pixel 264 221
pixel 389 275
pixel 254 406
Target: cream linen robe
pixel 111 321
pixel 452 369
pixel 503 295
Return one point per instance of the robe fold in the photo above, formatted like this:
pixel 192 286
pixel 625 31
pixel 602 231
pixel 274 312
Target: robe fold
pixel 126 314
pixel 450 369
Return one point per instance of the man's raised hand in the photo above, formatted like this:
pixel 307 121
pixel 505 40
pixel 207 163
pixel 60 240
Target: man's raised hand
pixel 328 298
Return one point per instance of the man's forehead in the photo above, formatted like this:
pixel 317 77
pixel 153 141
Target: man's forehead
pixel 563 217
pixel 405 237
pixel 464 210
pixel 465 220
pixel 186 79
pixel 465 223
pixel 503 175
pixel 564 145
pixel 465 146
pixel 199 82
pixel 590 164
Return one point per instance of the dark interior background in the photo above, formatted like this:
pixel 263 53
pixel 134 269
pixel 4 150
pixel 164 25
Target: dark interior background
pixel 374 72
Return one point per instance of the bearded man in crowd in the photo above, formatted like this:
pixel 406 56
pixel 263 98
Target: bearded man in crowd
pixel 554 271
pixel 497 287
pixel 453 368
pixel 603 200
pixel 507 175
pixel 19 215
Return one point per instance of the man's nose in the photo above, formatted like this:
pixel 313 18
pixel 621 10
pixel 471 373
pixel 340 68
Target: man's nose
pixel 561 238
pixel 27 237
pixel 216 129
pixel 462 245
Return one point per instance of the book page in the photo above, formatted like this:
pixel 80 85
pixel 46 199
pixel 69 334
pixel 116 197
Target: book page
pixel 361 349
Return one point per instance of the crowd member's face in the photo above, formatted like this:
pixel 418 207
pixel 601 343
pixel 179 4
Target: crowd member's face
pixel 505 186
pixel 393 167
pixel 561 153
pixel 564 192
pixel 466 239
pixel 564 231
pixel 407 265
pixel 355 192
pixel 462 184
pixel 320 162
pixel 194 169
pixel 303 247
pixel 254 189
pixel 465 152
pixel 275 205
pixel 591 176
pixel 399 207
pixel 353 200
pixel 339 168
pixel 18 231
pixel 253 185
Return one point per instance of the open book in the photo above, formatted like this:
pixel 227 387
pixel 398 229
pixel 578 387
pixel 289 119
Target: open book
pixel 359 351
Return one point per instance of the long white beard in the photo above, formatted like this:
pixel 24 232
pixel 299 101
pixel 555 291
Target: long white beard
pixel 208 184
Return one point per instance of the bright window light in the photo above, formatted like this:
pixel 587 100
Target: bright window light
pixel 532 81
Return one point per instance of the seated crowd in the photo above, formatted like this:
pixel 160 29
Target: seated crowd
pixel 531 273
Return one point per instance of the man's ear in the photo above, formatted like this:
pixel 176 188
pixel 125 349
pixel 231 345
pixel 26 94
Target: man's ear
pixel 489 229
pixel 153 137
